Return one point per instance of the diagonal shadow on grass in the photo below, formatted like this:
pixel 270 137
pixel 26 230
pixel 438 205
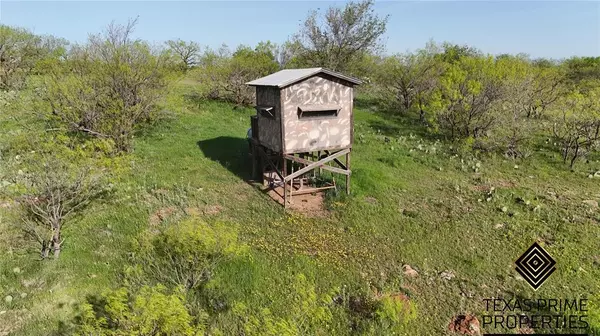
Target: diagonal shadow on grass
pixel 230 152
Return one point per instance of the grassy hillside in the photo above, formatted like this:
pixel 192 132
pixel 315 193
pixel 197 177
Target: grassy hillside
pixel 458 220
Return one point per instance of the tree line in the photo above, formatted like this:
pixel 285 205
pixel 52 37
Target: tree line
pixel 110 87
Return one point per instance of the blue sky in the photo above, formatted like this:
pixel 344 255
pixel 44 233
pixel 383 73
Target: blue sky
pixel 553 29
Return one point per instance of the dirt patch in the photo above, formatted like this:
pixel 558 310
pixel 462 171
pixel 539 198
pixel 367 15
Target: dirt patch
pixel 465 324
pixel 310 204
pixel 161 215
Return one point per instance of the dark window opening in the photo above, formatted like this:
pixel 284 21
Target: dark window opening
pixel 318 111
pixel 266 111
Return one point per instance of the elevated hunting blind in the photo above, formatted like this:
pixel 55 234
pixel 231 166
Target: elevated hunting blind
pixel 303 116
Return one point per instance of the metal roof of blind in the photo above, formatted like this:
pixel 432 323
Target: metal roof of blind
pixel 290 76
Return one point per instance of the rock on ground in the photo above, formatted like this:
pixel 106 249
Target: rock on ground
pixel 466 324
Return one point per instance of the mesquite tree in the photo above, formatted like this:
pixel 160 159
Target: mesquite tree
pixel 186 52
pixel 464 104
pixel 576 125
pixel 544 89
pixel 336 39
pixel 19 51
pixel 408 80
pixel 108 87
pixel 224 74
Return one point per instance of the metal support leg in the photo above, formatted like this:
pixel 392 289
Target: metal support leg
pixel 284 183
pixel 254 160
pixel 319 158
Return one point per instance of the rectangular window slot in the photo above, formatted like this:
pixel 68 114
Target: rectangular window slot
pixel 318 111
pixel 266 111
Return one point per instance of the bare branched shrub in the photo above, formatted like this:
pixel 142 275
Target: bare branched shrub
pixel 514 133
pixel 406 81
pixel 56 193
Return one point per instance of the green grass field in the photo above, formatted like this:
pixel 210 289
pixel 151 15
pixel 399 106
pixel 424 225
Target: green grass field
pixel 414 202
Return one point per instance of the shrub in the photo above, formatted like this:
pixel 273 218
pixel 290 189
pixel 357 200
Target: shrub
pixel 404 81
pixel 511 131
pixel 55 177
pixel 185 254
pixel 108 87
pixel 55 192
pixel 594 314
pixel 582 72
pixel 496 103
pixel 576 125
pixel 224 75
pixel 465 101
pixel 263 322
pixel 19 51
pixel 308 313
pixel 394 312
pixel 149 311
